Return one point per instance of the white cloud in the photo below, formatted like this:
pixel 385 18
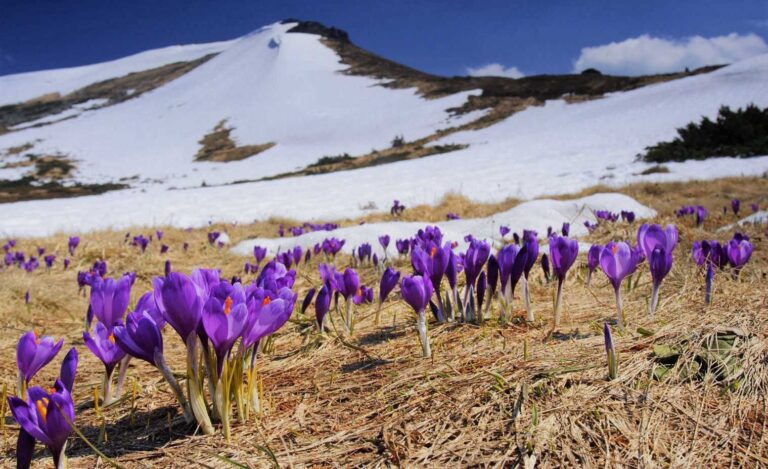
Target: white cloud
pixel 646 54
pixel 494 70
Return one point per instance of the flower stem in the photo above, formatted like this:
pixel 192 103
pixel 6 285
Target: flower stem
pixel 654 299
pixel 527 296
pixel 619 315
pixel 121 375
pixel 421 326
pixel 168 375
pixel 558 301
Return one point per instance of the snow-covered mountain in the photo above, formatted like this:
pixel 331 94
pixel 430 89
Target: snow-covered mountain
pixel 291 94
pixel 269 87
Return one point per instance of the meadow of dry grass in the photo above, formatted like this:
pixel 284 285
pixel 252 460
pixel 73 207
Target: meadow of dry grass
pixel 491 396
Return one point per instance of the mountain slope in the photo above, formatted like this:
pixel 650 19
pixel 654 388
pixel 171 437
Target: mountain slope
pixel 267 87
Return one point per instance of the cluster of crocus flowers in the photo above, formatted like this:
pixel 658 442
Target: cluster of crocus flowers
pixel 221 324
pixel 700 213
pixel 44 415
pixel 108 303
pixel 397 208
pixel 710 254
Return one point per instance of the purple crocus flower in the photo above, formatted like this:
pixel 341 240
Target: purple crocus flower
pixel 140 337
pixel 403 246
pixel 738 252
pixel 617 261
pixel 493 277
pixel 503 230
pixel 49 260
pixel 45 416
pixel 701 214
pixel 307 300
pixel 388 281
pixel 185 246
pixel 213 236
pixel 363 295
pixel 109 299
pixel 147 304
pixel 40 251
pixel 755 208
pixel 709 252
pixel 650 237
pixel 33 353
pixel 332 246
pixel 566 229
pixel 224 317
pixel 660 262
pixel 531 248
pixel 735 205
pixel 102 344
pixel 562 253
pixel 416 290
pixel 364 252
pixel 593 260
pixel 545 267
pixel 163 248
pixel 347 283
pixel 482 285
pixel 268 311
pixel 26 297
pixel 432 264
pixel 141 241
pixel 296 253
pixel 181 301
pixel 628 216
pixel 322 305
pixel 474 260
pixel 74 242
pixel 384 242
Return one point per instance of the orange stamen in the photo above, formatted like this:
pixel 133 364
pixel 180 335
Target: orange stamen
pixel 265 301
pixel 42 409
pixel 614 248
pixel 227 305
pixel 111 338
pixel 432 253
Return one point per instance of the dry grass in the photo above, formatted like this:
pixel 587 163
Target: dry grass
pixel 371 401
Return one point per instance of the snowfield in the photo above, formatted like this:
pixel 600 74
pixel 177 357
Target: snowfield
pixel 269 86
pixel 260 84
pixel 21 87
pixel 536 215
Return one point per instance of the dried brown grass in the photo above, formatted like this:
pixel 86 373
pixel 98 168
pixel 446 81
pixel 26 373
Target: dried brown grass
pixel 371 401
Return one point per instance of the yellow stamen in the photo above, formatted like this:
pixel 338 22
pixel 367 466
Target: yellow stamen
pixel 37 336
pixel 227 305
pixel 42 409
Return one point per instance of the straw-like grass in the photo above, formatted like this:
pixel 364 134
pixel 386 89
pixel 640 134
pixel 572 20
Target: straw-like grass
pixel 492 396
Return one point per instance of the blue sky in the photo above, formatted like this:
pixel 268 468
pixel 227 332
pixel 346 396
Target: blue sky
pixel 443 37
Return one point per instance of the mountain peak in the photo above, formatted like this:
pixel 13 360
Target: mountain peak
pixel 315 27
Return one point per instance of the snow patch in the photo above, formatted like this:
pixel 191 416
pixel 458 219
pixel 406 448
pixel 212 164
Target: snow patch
pixel 536 215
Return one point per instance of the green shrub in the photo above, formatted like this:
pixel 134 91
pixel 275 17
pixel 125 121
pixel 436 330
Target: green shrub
pixel 742 133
